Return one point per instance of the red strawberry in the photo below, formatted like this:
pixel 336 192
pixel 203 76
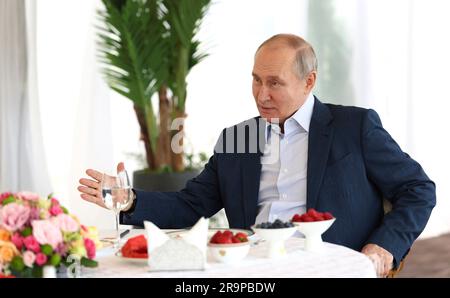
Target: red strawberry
pixel 214 237
pixel 228 234
pixel 241 236
pixel 303 216
pixel 327 216
pixel 319 217
pixel 307 218
pixel 296 218
pixel 222 239
pixel 235 239
pixel 312 212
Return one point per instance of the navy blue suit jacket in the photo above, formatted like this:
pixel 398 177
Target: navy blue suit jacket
pixel 353 163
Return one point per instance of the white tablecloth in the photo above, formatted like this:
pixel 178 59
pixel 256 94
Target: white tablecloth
pixel 333 261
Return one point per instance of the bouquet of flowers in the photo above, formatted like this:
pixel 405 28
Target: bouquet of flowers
pixel 37 232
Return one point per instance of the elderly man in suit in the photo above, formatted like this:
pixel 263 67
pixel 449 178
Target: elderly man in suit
pixel 300 154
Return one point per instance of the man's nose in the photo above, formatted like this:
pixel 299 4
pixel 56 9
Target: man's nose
pixel 263 95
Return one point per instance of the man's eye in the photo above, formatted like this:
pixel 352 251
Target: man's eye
pixel 274 84
pixel 257 80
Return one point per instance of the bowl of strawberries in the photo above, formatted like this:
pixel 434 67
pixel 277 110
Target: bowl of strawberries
pixel 313 224
pixel 228 247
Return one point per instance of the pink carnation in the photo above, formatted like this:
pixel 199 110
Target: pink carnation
pixel 54 201
pixel 14 216
pixel 41 259
pixel 90 248
pixel 65 223
pixel 17 240
pixel 28 196
pixel 31 244
pixel 55 210
pixel 47 233
pixel 28 258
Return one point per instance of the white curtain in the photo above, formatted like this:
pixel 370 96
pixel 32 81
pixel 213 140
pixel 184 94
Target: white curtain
pixel 22 160
pixel 392 56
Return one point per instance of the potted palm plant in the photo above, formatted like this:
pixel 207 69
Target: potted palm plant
pixel 147 48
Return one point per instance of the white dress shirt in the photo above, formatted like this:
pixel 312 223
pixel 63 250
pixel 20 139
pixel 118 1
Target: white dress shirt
pixel 282 190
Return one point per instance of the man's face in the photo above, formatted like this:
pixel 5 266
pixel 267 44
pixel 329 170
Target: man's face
pixel 277 90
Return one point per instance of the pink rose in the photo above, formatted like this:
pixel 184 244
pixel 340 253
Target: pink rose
pixel 17 240
pixel 41 259
pixel 55 210
pixel 90 248
pixel 14 216
pixel 65 223
pixel 46 233
pixel 28 258
pixel 31 244
pixel 54 201
pixel 28 196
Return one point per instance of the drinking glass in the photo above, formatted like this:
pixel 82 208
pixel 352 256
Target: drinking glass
pixel 116 194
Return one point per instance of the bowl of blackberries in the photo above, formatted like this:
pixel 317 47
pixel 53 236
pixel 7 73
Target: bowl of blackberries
pixel 312 225
pixel 275 233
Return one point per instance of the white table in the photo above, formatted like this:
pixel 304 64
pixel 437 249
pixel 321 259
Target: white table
pixel 333 261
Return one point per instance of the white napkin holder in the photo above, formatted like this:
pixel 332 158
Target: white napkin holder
pixel 185 252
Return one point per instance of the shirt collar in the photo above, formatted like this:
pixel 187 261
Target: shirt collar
pixel 301 119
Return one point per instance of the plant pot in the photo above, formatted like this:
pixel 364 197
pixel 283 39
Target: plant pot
pixel 149 181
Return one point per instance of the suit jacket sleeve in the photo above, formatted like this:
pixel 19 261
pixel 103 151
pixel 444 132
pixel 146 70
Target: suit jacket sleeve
pixel 403 182
pixel 172 210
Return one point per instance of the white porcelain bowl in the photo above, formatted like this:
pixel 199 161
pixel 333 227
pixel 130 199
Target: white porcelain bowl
pixel 229 253
pixel 313 232
pixel 275 239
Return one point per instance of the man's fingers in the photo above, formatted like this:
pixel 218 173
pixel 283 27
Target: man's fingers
pixel 93 199
pixel 89 198
pixel 89 191
pixel 95 174
pixel 90 183
pixel 387 268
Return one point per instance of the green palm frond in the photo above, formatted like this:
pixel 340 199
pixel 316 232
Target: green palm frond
pixel 184 18
pixel 134 53
pixel 147 45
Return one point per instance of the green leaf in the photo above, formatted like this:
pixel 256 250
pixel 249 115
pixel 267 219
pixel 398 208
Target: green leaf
pixel 37 272
pixel 64 209
pixel 46 249
pixel 88 262
pixel 55 260
pixel 27 232
pixel 17 264
pixel 8 200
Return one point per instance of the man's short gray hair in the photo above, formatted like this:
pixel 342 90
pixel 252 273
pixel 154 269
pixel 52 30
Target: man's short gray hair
pixel 305 58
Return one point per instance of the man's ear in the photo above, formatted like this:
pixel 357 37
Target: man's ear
pixel 310 81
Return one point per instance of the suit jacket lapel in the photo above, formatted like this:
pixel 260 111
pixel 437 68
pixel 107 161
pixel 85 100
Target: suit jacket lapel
pixel 319 143
pixel 251 175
